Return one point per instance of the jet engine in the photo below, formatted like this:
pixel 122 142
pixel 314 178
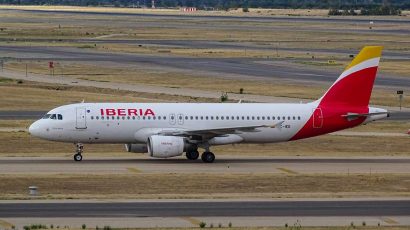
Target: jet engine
pixel 136 148
pixel 165 146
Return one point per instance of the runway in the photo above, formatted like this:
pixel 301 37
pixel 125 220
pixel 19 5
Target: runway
pixel 223 164
pixel 239 68
pixel 208 208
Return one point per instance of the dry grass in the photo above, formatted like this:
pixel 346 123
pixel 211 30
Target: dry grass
pixel 215 186
pixel 40 96
pixel 232 12
pixel 304 227
pixel 191 80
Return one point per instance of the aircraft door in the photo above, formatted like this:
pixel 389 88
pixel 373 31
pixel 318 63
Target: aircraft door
pixel 180 119
pixel 81 122
pixel 317 118
pixel 172 119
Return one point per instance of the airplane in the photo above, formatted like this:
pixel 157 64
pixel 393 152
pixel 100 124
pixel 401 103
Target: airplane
pixel 171 129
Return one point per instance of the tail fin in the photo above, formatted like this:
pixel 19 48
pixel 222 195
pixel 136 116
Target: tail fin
pixel 355 84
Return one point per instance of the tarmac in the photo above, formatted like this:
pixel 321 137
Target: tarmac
pixel 234 68
pixel 223 164
pixel 180 213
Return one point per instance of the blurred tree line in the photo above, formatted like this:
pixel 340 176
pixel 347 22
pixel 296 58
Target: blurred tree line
pixel 373 6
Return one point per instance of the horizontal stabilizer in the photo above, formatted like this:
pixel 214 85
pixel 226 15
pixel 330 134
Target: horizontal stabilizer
pixel 353 116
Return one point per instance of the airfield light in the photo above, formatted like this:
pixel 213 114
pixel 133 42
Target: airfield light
pixel 400 93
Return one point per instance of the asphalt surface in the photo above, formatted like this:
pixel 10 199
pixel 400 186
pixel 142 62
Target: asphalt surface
pixel 202 209
pixel 242 68
pixel 223 164
pixel 4 161
pixel 33 115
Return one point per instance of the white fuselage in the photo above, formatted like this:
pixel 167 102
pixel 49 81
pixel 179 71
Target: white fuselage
pixel 121 122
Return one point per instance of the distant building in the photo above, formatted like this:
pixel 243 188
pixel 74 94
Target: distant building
pixel 188 9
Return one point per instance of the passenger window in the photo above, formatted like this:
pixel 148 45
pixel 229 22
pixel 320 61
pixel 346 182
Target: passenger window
pixel 153 117
pixel 133 117
pixel 284 118
pixel 60 117
pixel 243 118
pixel 217 118
pixel 294 118
pixel 149 118
pixel 164 117
pixel 102 117
pixel 247 118
pixel 227 117
pixel 123 118
pixel 253 118
pixel 278 118
pixel 202 117
pixel 97 117
pixel 263 118
pixel 212 117
pixel 196 117
pixel 288 118
pixel 298 118
pixel 268 118
pixel 108 118
pixel 159 117
pixel 222 117
pixel 92 117
pixel 257 118
pixel 186 117
pixel 273 118
pixel 206 117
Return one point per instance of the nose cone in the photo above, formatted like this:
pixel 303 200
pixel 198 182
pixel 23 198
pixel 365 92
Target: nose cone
pixel 34 129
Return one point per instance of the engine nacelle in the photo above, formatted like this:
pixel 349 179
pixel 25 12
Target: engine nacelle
pixel 136 148
pixel 165 146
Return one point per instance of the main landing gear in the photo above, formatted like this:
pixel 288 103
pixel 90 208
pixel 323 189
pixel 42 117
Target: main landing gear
pixel 207 156
pixel 192 154
pixel 79 151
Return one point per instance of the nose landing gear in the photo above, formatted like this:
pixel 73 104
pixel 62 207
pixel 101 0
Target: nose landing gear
pixel 79 151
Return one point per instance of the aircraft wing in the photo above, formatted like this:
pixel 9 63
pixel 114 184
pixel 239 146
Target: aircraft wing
pixel 218 131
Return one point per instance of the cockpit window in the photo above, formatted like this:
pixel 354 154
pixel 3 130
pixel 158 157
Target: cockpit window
pixel 53 116
pixel 60 117
pixel 46 116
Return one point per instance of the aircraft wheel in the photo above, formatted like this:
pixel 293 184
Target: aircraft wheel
pixel 208 157
pixel 78 157
pixel 192 155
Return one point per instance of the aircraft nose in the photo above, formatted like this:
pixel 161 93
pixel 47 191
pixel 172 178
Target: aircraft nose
pixel 34 129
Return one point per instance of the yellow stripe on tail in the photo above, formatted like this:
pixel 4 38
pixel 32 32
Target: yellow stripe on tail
pixel 368 52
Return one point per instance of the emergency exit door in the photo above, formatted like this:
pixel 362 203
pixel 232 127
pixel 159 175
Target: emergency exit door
pixel 81 122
